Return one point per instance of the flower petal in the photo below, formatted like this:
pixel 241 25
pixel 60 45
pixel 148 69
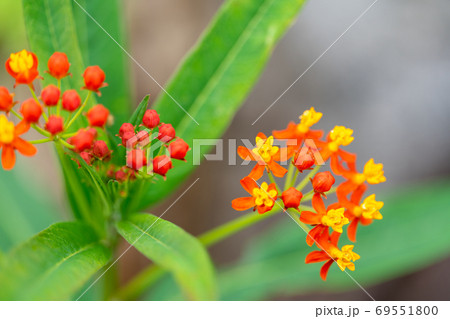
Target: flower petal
pixel 351 230
pixel 246 154
pixel 249 184
pixel 243 203
pixel 318 204
pixel 257 171
pixel 316 256
pixel 25 148
pixel 325 268
pixel 277 169
pixel 8 157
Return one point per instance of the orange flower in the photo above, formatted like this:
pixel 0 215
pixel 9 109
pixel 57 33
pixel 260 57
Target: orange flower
pixel 331 149
pixel 263 198
pixel 330 253
pixel 301 131
pixel 10 141
pixel 363 213
pixel 23 67
pixel 266 155
pixel 372 174
pixel 332 217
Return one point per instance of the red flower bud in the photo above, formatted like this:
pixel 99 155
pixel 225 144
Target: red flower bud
pixel 291 198
pixel 58 65
pixel 121 176
pixel 143 138
pixel 166 133
pixel 304 160
pixel 82 140
pixel 98 116
pixel 55 124
pixel 126 127
pixel 93 132
pixel 71 100
pixel 87 157
pixel 178 149
pixel 23 66
pixel 129 138
pixel 100 149
pixel 322 182
pixel 50 95
pixel 31 111
pixel 6 99
pixel 161 165
pixel 136 159
pixel 94 78
pixel 150 119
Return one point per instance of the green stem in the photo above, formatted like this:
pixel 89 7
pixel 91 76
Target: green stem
pixel 294 179
pixel 44 140
pixel 305 181
pixel 58 107
pixel 80 110
pixel 44 115
pixel 289 175
pixel 272 180
pixel 64 143
pixel 37 128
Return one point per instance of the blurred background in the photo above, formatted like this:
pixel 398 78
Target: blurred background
pixel 387 78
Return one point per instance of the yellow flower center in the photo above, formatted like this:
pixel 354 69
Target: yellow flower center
pixel 370 208
pixel 21 62
pixel 335 219
pixel 346 257
pixel 374 173
pixel 6 130
pixel 265 148
pixel 340 135
pixel 263 196
pixel 308 119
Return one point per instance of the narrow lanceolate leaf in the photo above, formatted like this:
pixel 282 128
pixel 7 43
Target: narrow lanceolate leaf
pixel 98 48
pixel 53 265
pixel 404 241
pixel 173 249
pixel 50 27
pixel 218 74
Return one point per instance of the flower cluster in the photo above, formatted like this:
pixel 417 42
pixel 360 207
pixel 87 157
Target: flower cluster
pixel 307 151
pixel 57 116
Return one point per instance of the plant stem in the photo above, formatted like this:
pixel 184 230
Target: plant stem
pixel 64 143
pixel 44 140
pixel 305 181
pixel 44 115
pixel 80 110
pixel 289 175
pixel 272 180
pixel 58 107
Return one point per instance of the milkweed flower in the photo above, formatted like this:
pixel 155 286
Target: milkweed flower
pixel 302 130
pixel 10 141
pixel 50 95
pixel 346 214
pixel 161 165
pixel 58 65
pixel 23 66
pixel 262 197
pixel 330 253
pixel 362 213
pixel 94 79
pixel 98 116
pixel 6 100
pixel 31 111
pixel 266 155
pixel 324 218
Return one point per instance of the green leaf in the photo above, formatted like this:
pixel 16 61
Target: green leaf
pixel 98 48
pixel 412 235
pixel 138 114
pixel 173 249
pixel 50 27
pixel 19 218
pixel 54 264
pixel 86 193
pixel 218 74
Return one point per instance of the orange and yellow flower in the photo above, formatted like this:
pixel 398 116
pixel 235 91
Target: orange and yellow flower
pixel 323 218
pixel 266 155
pixel 10 141
pixel 23 66
pixel 330 253
pixel 302 130
pixel 262 197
